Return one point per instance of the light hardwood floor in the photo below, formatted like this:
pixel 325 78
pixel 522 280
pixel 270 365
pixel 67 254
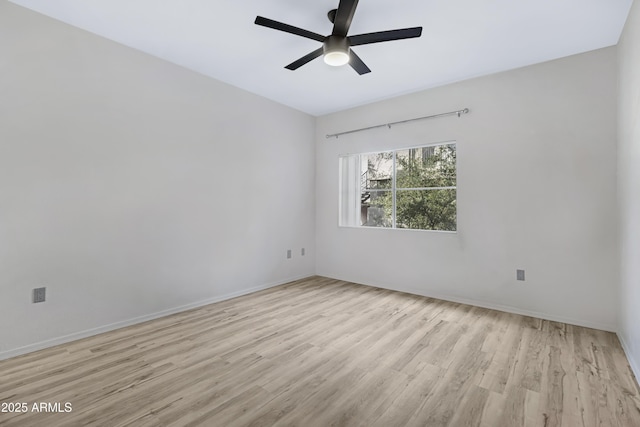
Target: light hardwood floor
pixel 322 352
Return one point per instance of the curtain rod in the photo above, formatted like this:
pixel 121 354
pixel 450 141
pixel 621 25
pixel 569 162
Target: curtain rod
pixel 450 113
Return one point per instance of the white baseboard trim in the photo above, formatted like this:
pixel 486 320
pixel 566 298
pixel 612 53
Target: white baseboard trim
pixel 635 368
pixel 117 325
pixel 492 306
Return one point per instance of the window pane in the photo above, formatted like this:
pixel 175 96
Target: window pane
pixel 426 209
pixel 376 170
pixel 376 208
pixel 433 166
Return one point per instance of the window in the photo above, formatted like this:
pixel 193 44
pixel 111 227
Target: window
pixel 413 188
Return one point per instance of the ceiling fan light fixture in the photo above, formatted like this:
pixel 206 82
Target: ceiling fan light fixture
pixel 336 51
pixel 336 58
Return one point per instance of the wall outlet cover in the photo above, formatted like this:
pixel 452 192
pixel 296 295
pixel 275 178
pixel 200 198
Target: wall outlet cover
pixel 520 275
pixel 39 294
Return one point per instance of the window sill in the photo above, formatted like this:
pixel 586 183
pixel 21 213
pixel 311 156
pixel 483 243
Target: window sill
pixel 364 227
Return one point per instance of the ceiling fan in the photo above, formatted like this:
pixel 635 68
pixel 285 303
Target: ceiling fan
pixel 336 47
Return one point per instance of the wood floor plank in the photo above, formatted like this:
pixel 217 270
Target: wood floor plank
pixel 324 352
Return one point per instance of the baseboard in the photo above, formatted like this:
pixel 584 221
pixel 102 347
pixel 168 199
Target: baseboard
pixel 635 368
pixel 117 325
pixel 493 306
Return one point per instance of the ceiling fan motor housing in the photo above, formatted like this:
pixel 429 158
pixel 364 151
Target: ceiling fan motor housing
pixel 335 44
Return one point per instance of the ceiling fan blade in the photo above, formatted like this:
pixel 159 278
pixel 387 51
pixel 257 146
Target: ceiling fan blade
pixel 357 63
pixel 270 23
pixel 385 36
pixel 344 15
pixel 307 58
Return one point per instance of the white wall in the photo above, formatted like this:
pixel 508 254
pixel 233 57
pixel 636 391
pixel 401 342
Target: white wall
pixel 131 187
pixel 629 185
pixel 536 191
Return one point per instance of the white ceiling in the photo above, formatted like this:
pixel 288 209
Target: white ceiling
pixel 461 39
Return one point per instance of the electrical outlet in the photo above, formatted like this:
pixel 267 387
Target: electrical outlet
pixel 520 275
pixel 288 253
pixel 302 252
pixel 39 294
